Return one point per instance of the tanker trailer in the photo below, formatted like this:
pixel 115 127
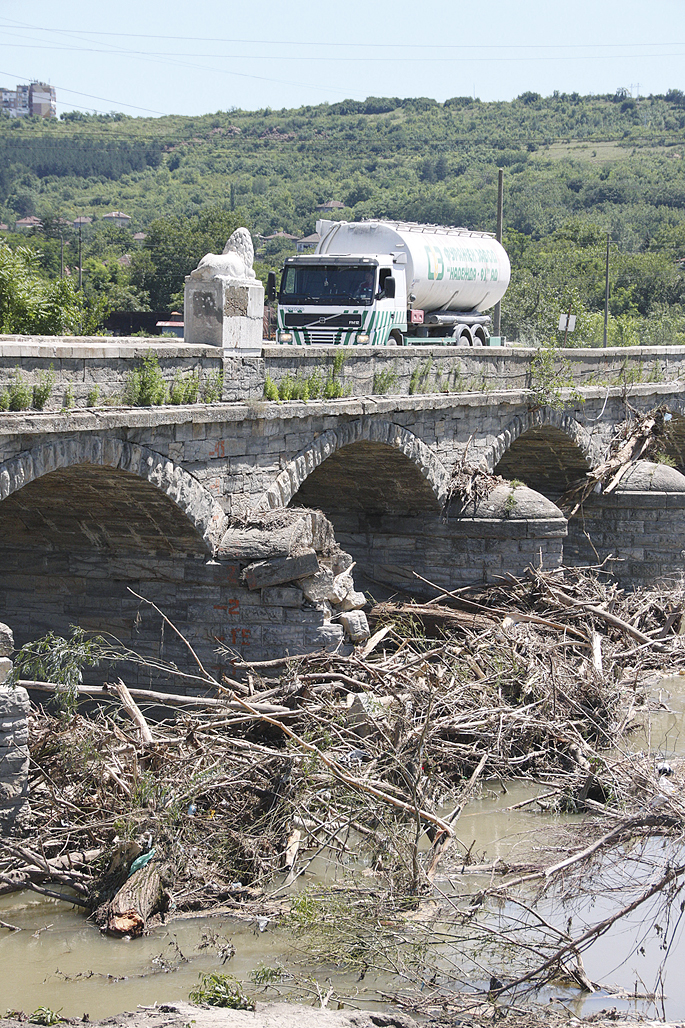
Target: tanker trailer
pixel 387 283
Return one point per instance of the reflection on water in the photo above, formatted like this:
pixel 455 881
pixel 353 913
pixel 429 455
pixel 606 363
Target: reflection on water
pixel 663 730
pixel 59 961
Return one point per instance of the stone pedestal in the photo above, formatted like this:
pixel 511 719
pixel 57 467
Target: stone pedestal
pixel 224 312
pixel 224 301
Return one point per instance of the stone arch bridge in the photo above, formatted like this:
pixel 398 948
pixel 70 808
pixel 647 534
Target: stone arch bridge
pixel 100 508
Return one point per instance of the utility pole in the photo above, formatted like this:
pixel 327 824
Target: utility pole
pixel 606 296
pixel 80 270
pixel 497 317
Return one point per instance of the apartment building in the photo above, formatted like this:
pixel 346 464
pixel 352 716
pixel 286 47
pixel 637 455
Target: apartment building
pixel 37 98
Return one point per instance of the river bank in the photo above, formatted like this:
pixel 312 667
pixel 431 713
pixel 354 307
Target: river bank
pixel 334 803
pixel 287 1015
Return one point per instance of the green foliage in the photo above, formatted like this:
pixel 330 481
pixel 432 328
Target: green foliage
pixel 265 975
pixel 46 1016
pixel 221 990
pixel 385 380
pixel 312 387
pixel 213 387
pixel 58 660
pixel 20 395
pixel 93 396
pixel 145 386
pixel 28 303
pixel 43 390
pixel 420 377
pixel 576 167
pixel 551 374
pixel 185 388
pixel 270 389
pixel 174 246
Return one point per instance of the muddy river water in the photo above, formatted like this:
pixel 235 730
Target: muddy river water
pixel 59 961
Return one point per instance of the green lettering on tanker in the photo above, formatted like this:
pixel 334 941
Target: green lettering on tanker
pixel 458 263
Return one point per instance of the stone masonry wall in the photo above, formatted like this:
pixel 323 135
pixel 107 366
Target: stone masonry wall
pixel 14 736
pixel 82 364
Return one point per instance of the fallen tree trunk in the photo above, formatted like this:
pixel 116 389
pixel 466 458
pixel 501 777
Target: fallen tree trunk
pixel 139 898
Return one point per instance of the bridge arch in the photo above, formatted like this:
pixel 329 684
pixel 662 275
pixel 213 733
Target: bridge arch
pixel 369 435
pixel 544 448
pixel 187 494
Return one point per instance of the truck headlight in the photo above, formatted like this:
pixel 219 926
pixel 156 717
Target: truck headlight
pixel 363 337
pixel 285 337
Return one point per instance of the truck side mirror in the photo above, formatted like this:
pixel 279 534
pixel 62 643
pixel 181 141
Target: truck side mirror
pixel 271 286
pixel 389 287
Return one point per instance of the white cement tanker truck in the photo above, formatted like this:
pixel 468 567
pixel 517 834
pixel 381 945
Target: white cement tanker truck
pixel 386 283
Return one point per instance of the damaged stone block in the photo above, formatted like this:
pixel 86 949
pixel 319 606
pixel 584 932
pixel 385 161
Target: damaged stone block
pixel 356 625
pixel 281 570
pixel 322 586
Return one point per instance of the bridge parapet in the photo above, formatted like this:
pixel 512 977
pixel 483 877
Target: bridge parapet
pixel 97 371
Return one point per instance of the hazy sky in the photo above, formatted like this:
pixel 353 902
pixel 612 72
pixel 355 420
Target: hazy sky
pixel 173 57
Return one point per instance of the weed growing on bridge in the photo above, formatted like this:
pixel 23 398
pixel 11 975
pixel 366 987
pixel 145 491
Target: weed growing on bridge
pixel 311 388
pixel 213 387
pixel 93 396
pixel 18 396
pixel 145 386
pixel 550 374
pixel 185 388
pixel 420 377
pixel 43 390
pixel 384 381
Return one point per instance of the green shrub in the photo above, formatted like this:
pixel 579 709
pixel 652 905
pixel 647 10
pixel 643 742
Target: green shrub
pixel 185 388
pixel 221 990
pixel 212 389
pixel 19 393
pixel 384 381
pixel 93 396
pixel 43 391
pixel 69 400
pixel 145 386
pixel 270 389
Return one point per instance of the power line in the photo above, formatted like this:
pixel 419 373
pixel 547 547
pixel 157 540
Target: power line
pixel 327 59
pixel 329 43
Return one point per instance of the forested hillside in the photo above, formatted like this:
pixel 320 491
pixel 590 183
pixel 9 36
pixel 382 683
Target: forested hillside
pixel 575 168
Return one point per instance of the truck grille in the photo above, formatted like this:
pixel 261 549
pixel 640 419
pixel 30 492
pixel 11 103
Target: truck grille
pixel 322 336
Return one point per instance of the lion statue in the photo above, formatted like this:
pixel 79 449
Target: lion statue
pixel 235 262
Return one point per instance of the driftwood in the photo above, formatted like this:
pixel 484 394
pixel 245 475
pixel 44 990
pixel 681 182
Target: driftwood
pixel 435 619
pixel 137 901
pixel 636 441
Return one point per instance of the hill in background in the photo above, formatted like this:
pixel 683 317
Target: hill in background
pixel 575 168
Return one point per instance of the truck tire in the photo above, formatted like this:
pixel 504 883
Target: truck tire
pixel 395 338
pixel 462 336
pixel 480 335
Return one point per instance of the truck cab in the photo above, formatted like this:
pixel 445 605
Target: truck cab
pixel 328 299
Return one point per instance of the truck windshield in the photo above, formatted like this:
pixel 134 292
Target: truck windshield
pixel 328 284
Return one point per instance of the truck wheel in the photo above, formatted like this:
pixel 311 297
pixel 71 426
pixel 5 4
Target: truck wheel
pixel 395 338
pixel 480 336
pixel 462 336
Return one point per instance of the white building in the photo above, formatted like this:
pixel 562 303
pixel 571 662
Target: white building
pixel 120 219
